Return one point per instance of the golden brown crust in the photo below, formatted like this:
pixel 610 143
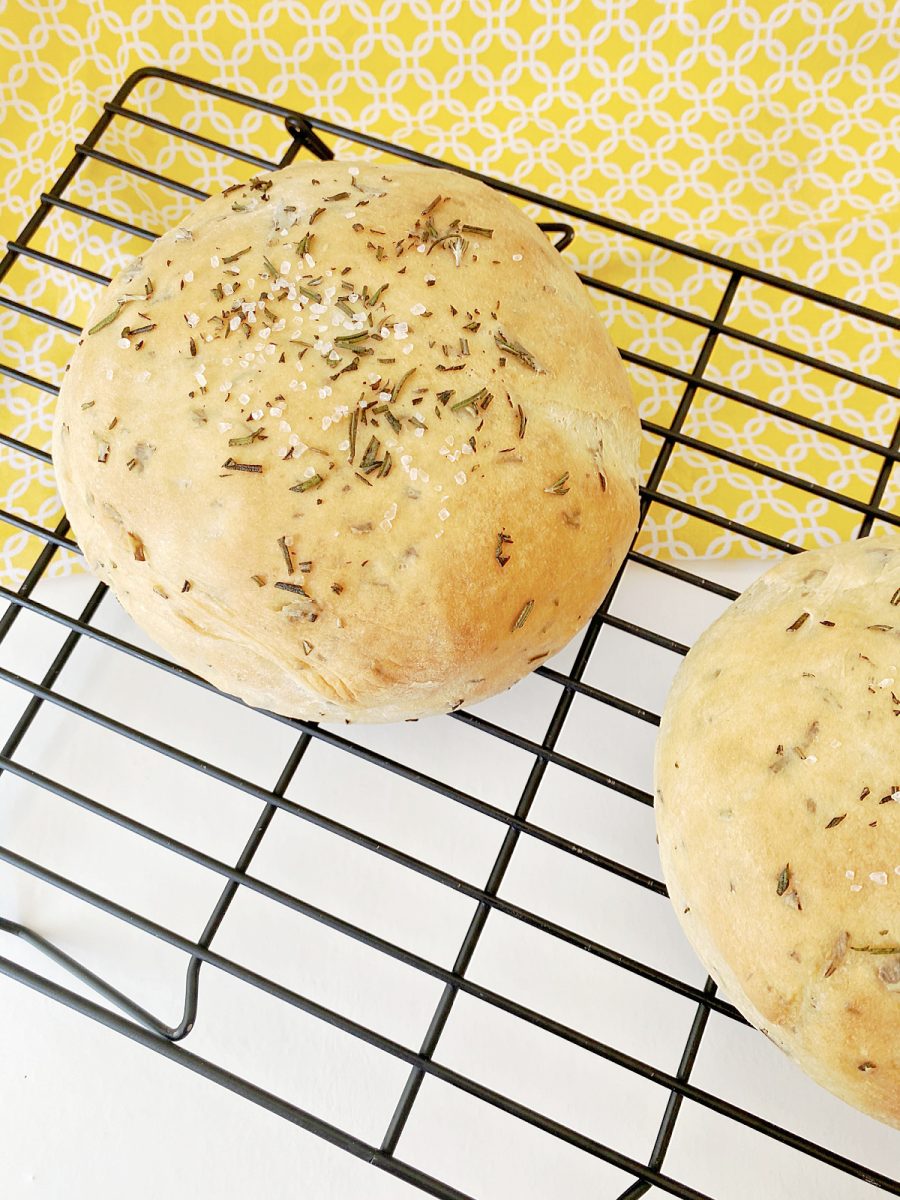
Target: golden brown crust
pixel 778 811
pixel 407 609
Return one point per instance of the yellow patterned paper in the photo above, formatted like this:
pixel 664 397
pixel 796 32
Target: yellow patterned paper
pixel 761 131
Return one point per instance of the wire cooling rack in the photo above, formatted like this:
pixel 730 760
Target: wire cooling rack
pixel 491 900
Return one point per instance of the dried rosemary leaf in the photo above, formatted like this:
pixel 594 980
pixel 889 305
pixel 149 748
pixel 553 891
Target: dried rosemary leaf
pixel 395 391
pixel 783 880
pixel 801 620
pixel 286 552
pixel 370 455
pixel 304 485
pixel 107 320
pixel 469 401
pixel 354 424
pixel 510 346
pixel 293 587
pixel 560 487
pixel 524 614
pixel 503 539
pixel 249 438
pixel 316 297
pixel 230 465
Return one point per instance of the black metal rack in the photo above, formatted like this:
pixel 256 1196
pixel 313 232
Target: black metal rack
pixel 124 1014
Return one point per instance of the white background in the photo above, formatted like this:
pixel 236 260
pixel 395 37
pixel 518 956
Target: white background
pixel 86 1113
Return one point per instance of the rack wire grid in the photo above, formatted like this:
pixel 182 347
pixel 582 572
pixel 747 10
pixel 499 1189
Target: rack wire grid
pixel 447 792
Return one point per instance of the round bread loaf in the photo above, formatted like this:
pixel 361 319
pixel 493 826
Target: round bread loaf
pixel 351 443
pixel 778 812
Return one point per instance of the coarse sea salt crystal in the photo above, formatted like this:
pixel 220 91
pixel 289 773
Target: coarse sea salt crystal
pixel 193 320
pixel 189 277
pixel 417 310
pixel 460 477
pixel 855 887
pixel 517 258
pixel 224 426
pixel 879 877
pixel 214 260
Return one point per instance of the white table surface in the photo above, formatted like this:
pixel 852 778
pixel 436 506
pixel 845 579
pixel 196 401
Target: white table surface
pixel 86 1113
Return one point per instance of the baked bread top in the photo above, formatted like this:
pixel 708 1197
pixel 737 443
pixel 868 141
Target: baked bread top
pixel 778 811
pixel 351 442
